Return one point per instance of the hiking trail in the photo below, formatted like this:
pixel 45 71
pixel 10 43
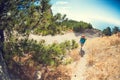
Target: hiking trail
pixel 80 68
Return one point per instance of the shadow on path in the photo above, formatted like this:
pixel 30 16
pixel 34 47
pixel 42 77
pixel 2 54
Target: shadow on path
pixel 82 52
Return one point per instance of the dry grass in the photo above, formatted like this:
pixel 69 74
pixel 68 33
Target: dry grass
pixel 114 41
pixel 22 59
pixel 60 73
pixel 104 59
pixel 74 54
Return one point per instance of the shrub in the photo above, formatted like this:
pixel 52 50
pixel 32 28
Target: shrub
pixel 107 31
pixel 74 44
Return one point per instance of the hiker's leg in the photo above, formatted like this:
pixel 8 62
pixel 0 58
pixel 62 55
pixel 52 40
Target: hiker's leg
pixel 81 45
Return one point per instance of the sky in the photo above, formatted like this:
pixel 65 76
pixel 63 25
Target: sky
pixel 100 13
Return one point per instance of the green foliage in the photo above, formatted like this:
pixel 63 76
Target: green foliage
pixel 67 61
pixel 50 54
pixel 107 31
pixel 67 44
pixel 45 5
pixel 24 16
pixel 77 26
pixel 49 25
pixel 115 30
pixel 19 48
pixel 81 26
pixel 19 22
pixel 39 19
pixel 74 44
pixel 58 23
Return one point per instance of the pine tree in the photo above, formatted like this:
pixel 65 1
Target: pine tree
pixel 19 20
pixel 115 30
pixel 107 31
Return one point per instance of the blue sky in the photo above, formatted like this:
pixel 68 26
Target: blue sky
pixel 100 13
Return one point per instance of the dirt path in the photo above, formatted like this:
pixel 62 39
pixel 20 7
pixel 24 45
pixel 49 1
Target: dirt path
pixel 60 38
pixel 80 66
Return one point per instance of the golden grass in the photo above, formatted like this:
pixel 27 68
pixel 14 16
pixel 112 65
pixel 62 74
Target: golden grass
pixel 115 41
pixel 104 60
pixel 75 55
pixel 22 59
pixel 60 73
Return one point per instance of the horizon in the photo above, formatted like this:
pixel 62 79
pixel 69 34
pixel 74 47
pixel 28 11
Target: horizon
pixel 100 13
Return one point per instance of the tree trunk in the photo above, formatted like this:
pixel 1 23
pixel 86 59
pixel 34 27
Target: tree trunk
pixel 1 40
pixel 4 75
pixel 1 36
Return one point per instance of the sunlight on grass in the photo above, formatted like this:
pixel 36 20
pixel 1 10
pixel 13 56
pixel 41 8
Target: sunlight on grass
pixel 103 62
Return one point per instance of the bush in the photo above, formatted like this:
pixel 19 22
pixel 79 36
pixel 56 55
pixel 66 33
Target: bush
pixel 74 44
pixel 115 30
pixel 107 31
pixel 49 54
pixel 41 53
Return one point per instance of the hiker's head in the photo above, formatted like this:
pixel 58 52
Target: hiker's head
pixel 83 36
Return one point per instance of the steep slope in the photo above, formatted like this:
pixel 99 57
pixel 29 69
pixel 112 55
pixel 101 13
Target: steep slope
pixel 101 60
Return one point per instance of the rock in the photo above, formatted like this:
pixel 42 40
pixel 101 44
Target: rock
pixel 37 75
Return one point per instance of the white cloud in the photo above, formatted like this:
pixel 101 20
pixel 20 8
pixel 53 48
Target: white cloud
pixel 90 17
pixel 61 3
pixel 61 7
pixel 62 10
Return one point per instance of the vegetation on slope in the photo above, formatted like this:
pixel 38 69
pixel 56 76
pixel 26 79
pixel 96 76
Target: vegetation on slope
pixel 24 17
pixel 104 58
pixel 37 53
pixel 108 31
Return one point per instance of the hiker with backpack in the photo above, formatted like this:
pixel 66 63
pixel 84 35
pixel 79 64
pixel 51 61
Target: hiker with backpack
pixel 82 40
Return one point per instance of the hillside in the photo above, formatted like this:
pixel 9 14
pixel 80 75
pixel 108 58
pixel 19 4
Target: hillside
pixel 101 57
pixel 38 44
pixel 101 60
